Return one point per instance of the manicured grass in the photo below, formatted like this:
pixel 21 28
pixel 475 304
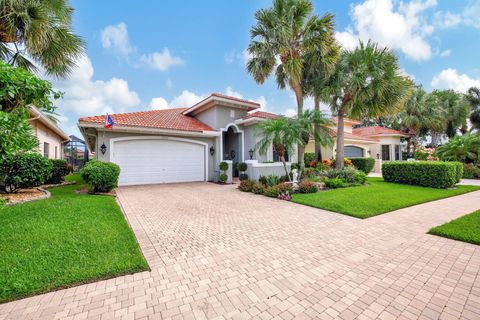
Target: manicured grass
pixel 376 198
pixel 466 228
pixel 63 241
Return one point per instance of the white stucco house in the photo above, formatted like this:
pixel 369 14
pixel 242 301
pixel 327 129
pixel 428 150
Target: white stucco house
pixel 185 144
pixel 50 137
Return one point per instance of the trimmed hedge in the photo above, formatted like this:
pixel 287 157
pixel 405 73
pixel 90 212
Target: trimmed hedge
pixel 25 170
pixel 59 171
pixel 100 176
pixel 435 174
pixel 364 164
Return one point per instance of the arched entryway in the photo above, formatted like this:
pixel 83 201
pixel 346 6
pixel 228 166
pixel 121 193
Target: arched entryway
pixel 232 146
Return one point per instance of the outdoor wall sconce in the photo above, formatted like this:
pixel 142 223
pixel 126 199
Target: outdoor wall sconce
pixel 212 150
pixel 250 152
pixel 103 148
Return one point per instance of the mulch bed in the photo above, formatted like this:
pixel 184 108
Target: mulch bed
pixel 112 193
pixel 25 195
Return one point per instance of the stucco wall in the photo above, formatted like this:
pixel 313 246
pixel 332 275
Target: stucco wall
pixel 251 140
pixel 43 135
pixel 219 117
pixel 106 136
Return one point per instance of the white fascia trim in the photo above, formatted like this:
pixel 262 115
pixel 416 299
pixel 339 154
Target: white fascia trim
pixel 204 144
pixel 200 104
pixel 118 128
pixel 48 123
pixel 249 121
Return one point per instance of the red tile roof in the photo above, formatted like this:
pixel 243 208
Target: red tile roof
pixel 261 114
pixel 376 130
pixel 162 119
pixel 352 136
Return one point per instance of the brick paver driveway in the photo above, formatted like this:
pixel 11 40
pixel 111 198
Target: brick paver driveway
pixel 218 253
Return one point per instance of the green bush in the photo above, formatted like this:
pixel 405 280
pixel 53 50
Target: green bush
pixel 308 157
pixel 272 180
pixel 100 176
pixel 246 185
pixel 420 155
pixel 471 171
pixel 242 166
pixel 365 164
pixel 272 192
pixel 243 176
pixel 361 178
pixel 334 183
pixel 307 187
pixel 25 170
pixel 258 188
pixel 285 188
pixel 348 174
pixel 223 178
pixel 59 171
pixel 223 166
pixel 436 174
pixel 459 169
pixel 310 172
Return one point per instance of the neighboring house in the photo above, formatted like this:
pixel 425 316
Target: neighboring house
pixel 50 137
pixel 187 144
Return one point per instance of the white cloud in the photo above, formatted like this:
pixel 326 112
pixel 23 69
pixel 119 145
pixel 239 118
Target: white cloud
pixel 186 99
pixel 290 112
pixel 85 96
pixel 230 92
pixel 158 103
pixel 446 53
pixel 398 25
pixel 468 17
pixel 115 37
pixel 451 79
pixel 260 100
pixel 242 57
pixel 162 60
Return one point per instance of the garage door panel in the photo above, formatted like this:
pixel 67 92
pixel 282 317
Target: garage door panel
pixel 159 161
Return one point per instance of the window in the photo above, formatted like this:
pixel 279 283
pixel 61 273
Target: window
pixel 385 152
pixel 397 152
pixel 46 149
pixel 353 152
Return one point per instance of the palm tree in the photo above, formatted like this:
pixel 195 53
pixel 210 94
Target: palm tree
pixel 38 33
pixel 473 97
pixel 465 149
pixel 315 124
pixel 282 133
pixel 455 109
pixel 367 82
pixel 281 39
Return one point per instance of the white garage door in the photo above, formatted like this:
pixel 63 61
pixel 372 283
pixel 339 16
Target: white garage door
pixel 150 161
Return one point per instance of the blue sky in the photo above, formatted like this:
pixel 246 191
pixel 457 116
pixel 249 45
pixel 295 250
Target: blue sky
pixel 158 54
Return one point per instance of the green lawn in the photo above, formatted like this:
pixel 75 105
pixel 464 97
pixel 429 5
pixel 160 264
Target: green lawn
pixel 376 198
pixel 66 240
pixel 466 228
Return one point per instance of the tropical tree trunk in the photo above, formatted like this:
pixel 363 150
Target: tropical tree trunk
pixel 297 88
pixel 282 158
pixel 340 139
pixel 436 137
pixel 318 147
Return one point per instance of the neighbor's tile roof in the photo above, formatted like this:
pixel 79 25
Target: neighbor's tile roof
pixel 376 130
pixel 352 136
pixel 261 114
pixel 162 119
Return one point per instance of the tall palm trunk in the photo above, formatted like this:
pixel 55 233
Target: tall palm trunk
pixel 436 138
pixel 318 147
pixel 282 158
pixel 297 88
pixel 340 138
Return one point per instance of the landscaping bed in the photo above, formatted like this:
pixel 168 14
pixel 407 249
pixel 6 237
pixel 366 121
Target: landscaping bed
pixel 376 198
pixel 66 240
pixel 466 228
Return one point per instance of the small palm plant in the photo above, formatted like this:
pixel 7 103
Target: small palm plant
pixel 281 133
pixel 465 149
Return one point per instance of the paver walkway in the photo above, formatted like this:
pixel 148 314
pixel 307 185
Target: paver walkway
pixel 219 253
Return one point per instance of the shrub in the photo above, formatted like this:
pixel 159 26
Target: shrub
pixel 100 176
pixel 272 180
pixel 420 155
pixel 361 177
pixel 459 171
pixel 464 148
pixel 348 174
pixel 262 180
pixel 59 171
pixel 243 176
pixel 308 157
pixel 363 164
pixel 246 185
pixel 258 188
pixel 436 174
pixel 334 183
pixel 285 188
pixel 223 178
pixel 471 171
pixel 272 192
pixel 307 187
pixel 242 166
pixel 283 178
pixel 310 172
pixel 25 170
pixel 223 166
pixel 285 196
pixel 346 162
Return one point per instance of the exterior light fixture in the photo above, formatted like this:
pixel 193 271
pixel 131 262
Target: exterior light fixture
pixel 103 148
pixel 212 150
pixel 250 152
